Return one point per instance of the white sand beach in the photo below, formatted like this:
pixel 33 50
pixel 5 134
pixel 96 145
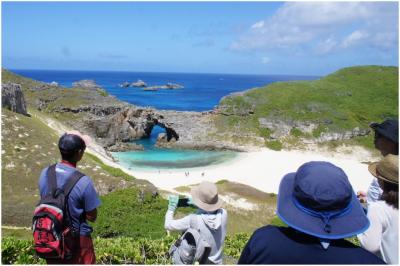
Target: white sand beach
pixel 261 169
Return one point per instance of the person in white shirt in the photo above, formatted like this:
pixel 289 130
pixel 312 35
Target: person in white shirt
pixel 382 237
pixel 211 219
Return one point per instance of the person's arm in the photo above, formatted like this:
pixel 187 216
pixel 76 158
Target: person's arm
pixel 171 224
pixel 176 225
pixel 91 216
pixel 372 237
pixel 91 202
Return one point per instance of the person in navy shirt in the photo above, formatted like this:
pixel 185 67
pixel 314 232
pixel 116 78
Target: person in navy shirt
pixel 321 209
pixel 82 201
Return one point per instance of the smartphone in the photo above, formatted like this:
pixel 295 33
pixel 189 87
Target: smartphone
pixel 183 202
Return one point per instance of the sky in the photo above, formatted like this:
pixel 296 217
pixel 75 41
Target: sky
pixel 295 38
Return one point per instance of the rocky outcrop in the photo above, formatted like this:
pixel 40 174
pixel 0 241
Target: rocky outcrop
pixel 98 110
pixel 356 132
pixel 280 128
pixel 124 84
pixel 172 86
pixel 129 146
pixel 139 83
pixel 129 124
pixel 13 98
pixel 86 84
pixel 168 86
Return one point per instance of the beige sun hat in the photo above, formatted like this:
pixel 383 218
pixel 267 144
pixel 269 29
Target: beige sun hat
pixel 205 196
pixel 85 138
pixel 386 169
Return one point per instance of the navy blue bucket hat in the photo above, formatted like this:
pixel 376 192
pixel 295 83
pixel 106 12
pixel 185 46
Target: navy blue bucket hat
pixel 318 200
pixel 388 128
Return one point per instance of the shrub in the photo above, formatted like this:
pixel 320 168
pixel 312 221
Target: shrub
pixel 121 250
pixel 274 145
pixel 138 214
pixel 295 132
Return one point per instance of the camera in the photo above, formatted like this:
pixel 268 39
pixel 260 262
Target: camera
pixel 183 202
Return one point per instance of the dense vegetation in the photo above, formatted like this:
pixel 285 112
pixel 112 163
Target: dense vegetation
pixel 131 212
pixel 120 250
pixel 349 98
pixel 127 250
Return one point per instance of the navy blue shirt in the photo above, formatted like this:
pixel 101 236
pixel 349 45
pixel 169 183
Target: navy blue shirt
pixel 83 197
pixel 284 245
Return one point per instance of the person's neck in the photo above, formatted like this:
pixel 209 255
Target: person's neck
pixel 68 163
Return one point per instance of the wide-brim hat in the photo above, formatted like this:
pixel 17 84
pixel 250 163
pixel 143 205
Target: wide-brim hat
pixel 205 196
pixel 315 186
pixel 386 169
pixel 388 128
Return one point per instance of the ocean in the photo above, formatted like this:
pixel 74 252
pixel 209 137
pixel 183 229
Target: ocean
pixel 201 92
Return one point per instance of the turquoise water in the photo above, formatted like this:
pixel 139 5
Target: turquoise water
pixel 160 158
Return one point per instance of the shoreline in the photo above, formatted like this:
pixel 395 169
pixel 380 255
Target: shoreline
pixel 262 169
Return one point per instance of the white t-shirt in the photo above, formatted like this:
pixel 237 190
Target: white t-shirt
pixel 382 237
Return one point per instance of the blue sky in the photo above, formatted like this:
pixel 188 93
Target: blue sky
pixel 309 38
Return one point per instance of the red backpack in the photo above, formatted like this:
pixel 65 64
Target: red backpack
pixel 53 235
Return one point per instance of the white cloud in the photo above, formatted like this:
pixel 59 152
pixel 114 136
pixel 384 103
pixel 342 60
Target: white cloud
pixel 258 25
pixel 354 38
pixel 326 46
pixel 324 27
pixel 265 60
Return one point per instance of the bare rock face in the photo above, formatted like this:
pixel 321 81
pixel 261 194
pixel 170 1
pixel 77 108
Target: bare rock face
pixel 116 132
pixel 86 83
pixel 13 98
pixel 120 146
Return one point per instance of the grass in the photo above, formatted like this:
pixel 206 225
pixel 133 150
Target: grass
pixel 133 212
pixel 28 146
pixel 109 169
pixel 241 220
pixel 351 97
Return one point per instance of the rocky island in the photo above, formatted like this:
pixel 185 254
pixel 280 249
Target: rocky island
pixel 141 84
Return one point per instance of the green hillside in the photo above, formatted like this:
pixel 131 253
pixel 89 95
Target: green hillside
pixel 349 98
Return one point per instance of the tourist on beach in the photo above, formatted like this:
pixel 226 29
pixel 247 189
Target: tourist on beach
pixel 386 140
pixel 82 201
pixel 382 237
pixel 210 218
pixel 318 204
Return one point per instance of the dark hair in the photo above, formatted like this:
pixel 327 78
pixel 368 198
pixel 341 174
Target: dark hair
pixel 70 145
pixel 390 193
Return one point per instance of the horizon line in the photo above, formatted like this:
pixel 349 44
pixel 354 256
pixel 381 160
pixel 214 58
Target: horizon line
pixel 163 72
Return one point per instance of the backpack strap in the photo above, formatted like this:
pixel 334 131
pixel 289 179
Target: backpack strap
pixel 72 180
pixel 52 178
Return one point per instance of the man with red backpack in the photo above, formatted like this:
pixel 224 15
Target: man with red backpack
pixel 68 201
